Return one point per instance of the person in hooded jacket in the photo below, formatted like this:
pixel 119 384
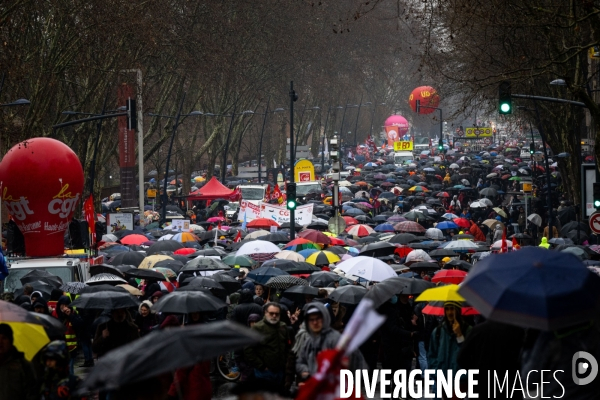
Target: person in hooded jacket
pixel 497 233
pixel 319 336
pixel 246 306
pixel 41 307
pixel 397 334
pixel 74 324
pixel 117 332
pixel 544 243
pixel 476 232
pixel 146 319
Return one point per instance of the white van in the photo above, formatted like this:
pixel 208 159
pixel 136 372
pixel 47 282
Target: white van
pixel 68 269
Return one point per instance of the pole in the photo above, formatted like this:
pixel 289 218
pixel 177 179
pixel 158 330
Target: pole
pixel 372 118
pixel 165 197
pixel 323 155
pixel 261 140
pixel 441 125
pixel 140 138
pixel 224 167
pixel 293 98
pixel 98 129
pixel 357 115
pixel 343 118
pixel 549 194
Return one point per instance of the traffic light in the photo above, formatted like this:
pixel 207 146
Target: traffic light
pixel 441 145
pixel 504 98
pixel 334 156
pixel 290 193
pixel 131 114
pixel 596 195
pixel 531 148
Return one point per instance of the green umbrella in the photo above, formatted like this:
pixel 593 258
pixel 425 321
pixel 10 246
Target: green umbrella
pixel 242 261
pixel 515 178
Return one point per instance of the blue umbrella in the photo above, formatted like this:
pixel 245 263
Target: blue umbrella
pixel 354 212
pixel 533 288
pixel 384 228
pixel 307 252
pixel 263 274
pixel 446 225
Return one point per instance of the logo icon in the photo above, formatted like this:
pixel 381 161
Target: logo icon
pixel 582 364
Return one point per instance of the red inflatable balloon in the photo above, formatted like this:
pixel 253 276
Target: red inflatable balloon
pixel 41 181
pixel 428 96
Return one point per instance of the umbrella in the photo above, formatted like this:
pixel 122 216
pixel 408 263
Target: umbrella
pixel 424 266
pixel 534 219
pixel 262 223
pixel 205 264
pixel 298 293
pixel 384 228
pixel 534 288
pixel 434 233
pixel 436 308
pixel 257 234
pixel 492 223
pixel 323 258
pixel 417 255
pixel 501 212
pixel 146 274
pixel 314 236
pixel 460 245
pixel 73 287
pixel 105 300
pixel 135 239
pixel 184 302
pixel 289 255
pixel 350 294
pixel 383 291
pixel 409 226
pixel 151 261
pixel 368 268
pixel 165 245
pixel 458 264
pixel 29 335
pixel 446 225
pixel 259 250
pixel 242 261
pixel 185 237
pixel 41 276
pixel 301 244
pixel 360 230
pixel 403 238
pixel 462 222
pixel 378 249
pixel 285 282
pixel 165 351
pixel 107 269
pixel 489 191
pixel 441 293
pixel 129 258
pixel 455 276
pixel 105 278
pixel 322 279
pixel 263 274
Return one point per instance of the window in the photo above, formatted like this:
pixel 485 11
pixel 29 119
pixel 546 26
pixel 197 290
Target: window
pixel 13 280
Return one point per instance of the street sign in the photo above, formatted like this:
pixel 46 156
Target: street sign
pixel 151 193
pixel 336 225
pixel 595 223
pixel 474 133
pixel 404 145
pixel 487 140
pixel 527 187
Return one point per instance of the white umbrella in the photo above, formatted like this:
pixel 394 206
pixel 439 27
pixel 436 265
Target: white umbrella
pixel 360 194
pixel 109 237
pixel 257 234
pixel 535 219
pixel 486 202
pixel 498 244
pixel 492 175
pixel 460 245
pixel 194 227
pixel 289 255
pixel 345 183
pixel 434 233
pixel 476 204
pixel 454 166
pixel 465 182
pixel 165 237
pixel 258 247
pixel 368 268
pixel 417 255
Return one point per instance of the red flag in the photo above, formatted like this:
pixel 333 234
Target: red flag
pixel 324 384
pixel 219 226
pixel 238 237
pixel 515 244
pixel 504 248
pixel 90 217
pixel 267 193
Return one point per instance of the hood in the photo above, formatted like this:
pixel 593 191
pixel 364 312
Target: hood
pixel 246 296
pixel 544 240
pixel 147 303
pixel 324 311
pixel 249 286
pixel 63 300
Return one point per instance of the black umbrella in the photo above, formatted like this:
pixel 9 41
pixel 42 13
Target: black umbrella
pixel 166 351
pixel 174 265
pixel 204 281
pixel 146 274
pixel 184 302
pixel 134 258
pixel 424 266
pixel 458 264
pixel 285 282
pixel 572 226
pixel 230 284
pixel 276 237
pixel 378 249
pixel 403 238
pixel 38 286
pixel 42 276
pixel 102 288
pixel 443 253
pixel 205 264
pixel 322 279
pixel 106 269
pixel 297 293
pixel 164 245
pixel 209 252
pixel 350 294
pixel 105 300
pixel 340 251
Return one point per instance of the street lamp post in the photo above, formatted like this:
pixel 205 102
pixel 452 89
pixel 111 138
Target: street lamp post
pixel 357 115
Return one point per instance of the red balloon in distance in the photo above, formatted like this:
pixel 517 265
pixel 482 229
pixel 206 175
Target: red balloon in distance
pixel 428 96
pixel 41 180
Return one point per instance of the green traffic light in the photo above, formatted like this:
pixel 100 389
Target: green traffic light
pixel 505 107
pixel 291 205
pixel 597 203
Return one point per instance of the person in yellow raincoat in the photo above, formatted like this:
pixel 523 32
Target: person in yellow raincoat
pixel 447 179
pixel 545 243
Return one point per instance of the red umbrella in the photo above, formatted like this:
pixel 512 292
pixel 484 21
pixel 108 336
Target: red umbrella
pixel 314 236
pixel 436 308
pixel 134 239
pixel 336 242
pixel 350 221
pixel 443 194
pixel 262 223
pixel 185 251
pixel 409 226
pixel 455 276
pixel 462 222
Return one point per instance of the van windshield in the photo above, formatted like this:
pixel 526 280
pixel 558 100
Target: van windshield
pixel 302 190
pixel 13 280
pixel 249 193
pixel 403 159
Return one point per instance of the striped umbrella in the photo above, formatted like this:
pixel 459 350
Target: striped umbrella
pixel 323 258
pixel 301 244
pixel 360 230
pixel 184 237
pixel 409 226
pixel 418 189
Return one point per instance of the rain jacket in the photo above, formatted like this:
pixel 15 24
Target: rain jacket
pixel 477 233
pixel 497 234
pixel 545 243
pixel 19 372
pixel 444 347
pixel 119 334
pixel 306 360
pixel 272 352
pixel 73 323
pixel 245 307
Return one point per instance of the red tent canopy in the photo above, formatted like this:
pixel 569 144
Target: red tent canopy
pixel 214 190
